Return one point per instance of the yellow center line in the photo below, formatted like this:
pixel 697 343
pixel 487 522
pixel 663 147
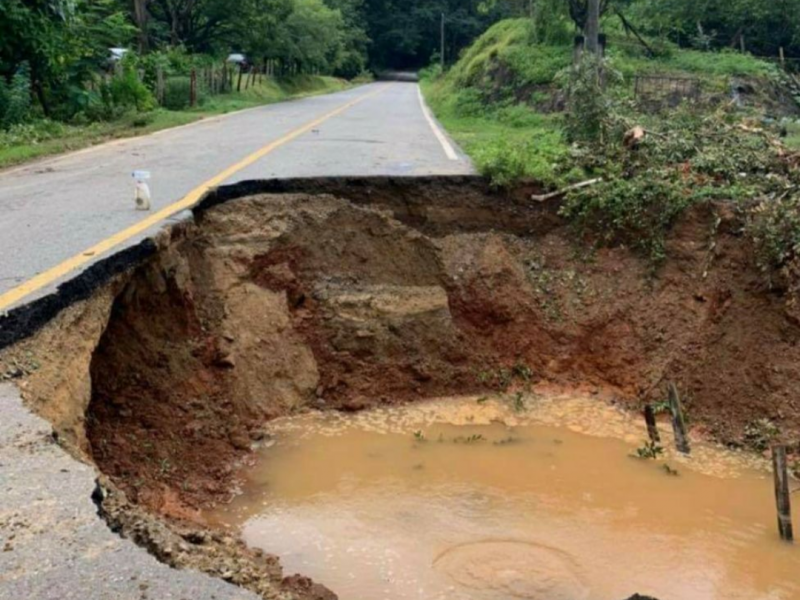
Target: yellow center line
pixel 188 201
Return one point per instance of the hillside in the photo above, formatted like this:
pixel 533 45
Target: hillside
pixel 507 90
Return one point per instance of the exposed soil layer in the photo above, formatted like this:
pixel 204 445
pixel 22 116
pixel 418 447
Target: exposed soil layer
pixel 346 294
pixel 275 302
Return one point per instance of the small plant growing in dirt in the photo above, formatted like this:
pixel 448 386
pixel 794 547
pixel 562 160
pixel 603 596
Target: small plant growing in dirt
pixel 650 450
pixel 419 436
pixel 661 407
pixel 519 402
pixel 471 439
pixel 670 471
pixel 760 434
pixel 506 441
pixel 483 400
pixel 504 379
pixel 523 372
pixel 501 378
pixel 164 467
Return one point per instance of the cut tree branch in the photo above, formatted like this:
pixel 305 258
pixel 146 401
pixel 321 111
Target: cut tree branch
pixel 566 190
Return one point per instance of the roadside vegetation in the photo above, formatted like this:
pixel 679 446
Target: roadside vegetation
pixel 663 122
pixel 76 72
pixel 42 137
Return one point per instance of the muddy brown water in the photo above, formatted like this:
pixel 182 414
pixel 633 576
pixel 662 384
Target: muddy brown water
pixel 469 500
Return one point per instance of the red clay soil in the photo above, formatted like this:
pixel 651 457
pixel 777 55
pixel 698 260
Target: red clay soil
pixel 275 303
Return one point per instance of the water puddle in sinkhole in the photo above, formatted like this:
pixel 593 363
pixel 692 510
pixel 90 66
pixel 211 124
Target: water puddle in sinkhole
pixel 464 500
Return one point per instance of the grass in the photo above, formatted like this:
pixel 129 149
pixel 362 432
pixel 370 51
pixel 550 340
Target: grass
pixel 507 143
pixel 792 139
pixel 44 138
pixel 492 100
pixel 508 48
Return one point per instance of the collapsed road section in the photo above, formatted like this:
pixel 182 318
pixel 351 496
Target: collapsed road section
pixel 162 365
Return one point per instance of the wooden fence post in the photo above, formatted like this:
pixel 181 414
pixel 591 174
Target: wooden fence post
pixel 652 428
pixel 782 499
pixel 193 88
pixel 239 82
pixel 160 86
pixel 783 57
pixel 678 422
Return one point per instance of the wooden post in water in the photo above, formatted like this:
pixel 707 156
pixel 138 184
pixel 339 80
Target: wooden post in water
pixel 678 422
pixel 782 499
pixel 652 428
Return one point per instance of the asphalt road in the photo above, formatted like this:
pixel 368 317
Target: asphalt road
pixel 56 209
pixel 53 546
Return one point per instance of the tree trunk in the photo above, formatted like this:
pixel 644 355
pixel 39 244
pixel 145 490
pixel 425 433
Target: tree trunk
pixel 140 16
pixel 593 27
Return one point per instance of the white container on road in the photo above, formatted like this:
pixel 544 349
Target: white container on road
pixel 142 197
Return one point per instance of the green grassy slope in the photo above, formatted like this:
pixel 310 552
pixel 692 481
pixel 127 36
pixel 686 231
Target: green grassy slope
pixel 501 102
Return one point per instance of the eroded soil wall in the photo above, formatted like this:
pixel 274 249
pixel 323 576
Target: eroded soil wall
pixel 344 294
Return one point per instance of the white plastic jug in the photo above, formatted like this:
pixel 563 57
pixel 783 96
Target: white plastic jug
pixel 142 197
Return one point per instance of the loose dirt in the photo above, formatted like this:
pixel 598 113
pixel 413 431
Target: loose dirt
pixel 349 294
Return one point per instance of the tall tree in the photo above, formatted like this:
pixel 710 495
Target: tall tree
pixel 141 17
pixel 592 29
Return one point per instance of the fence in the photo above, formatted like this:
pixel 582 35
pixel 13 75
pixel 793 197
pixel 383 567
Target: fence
pixel 658 91
pixel 181 91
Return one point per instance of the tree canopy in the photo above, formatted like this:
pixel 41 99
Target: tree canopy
pixel 58 45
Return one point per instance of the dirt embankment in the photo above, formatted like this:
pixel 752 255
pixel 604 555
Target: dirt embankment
pixel 383 293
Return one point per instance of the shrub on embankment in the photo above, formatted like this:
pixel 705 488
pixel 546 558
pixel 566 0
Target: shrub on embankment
pixel 522 111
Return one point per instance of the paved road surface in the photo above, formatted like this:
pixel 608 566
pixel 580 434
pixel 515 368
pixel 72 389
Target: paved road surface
pixel 52 544
pixel 56 209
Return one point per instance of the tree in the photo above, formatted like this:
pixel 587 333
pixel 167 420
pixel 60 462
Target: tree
pixel 405 33
pixel 198 25
pixel 592 28
pixel 64 43
pixel 140 17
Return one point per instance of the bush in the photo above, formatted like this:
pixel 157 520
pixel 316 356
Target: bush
pixel 177 93
pixel 589 105
pixel 775 227
pixel 432 72
pixel 4 96
pixel 126 91
pixel 364 76
pixel 16 98
pixel 503 163
pixel 33 132
pixel 638 212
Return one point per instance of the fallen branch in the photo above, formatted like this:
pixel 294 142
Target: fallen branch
pixel 628 27
pixel 566 190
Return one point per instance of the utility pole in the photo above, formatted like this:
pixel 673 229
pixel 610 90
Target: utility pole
pixel 593 27
pixel 442 48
